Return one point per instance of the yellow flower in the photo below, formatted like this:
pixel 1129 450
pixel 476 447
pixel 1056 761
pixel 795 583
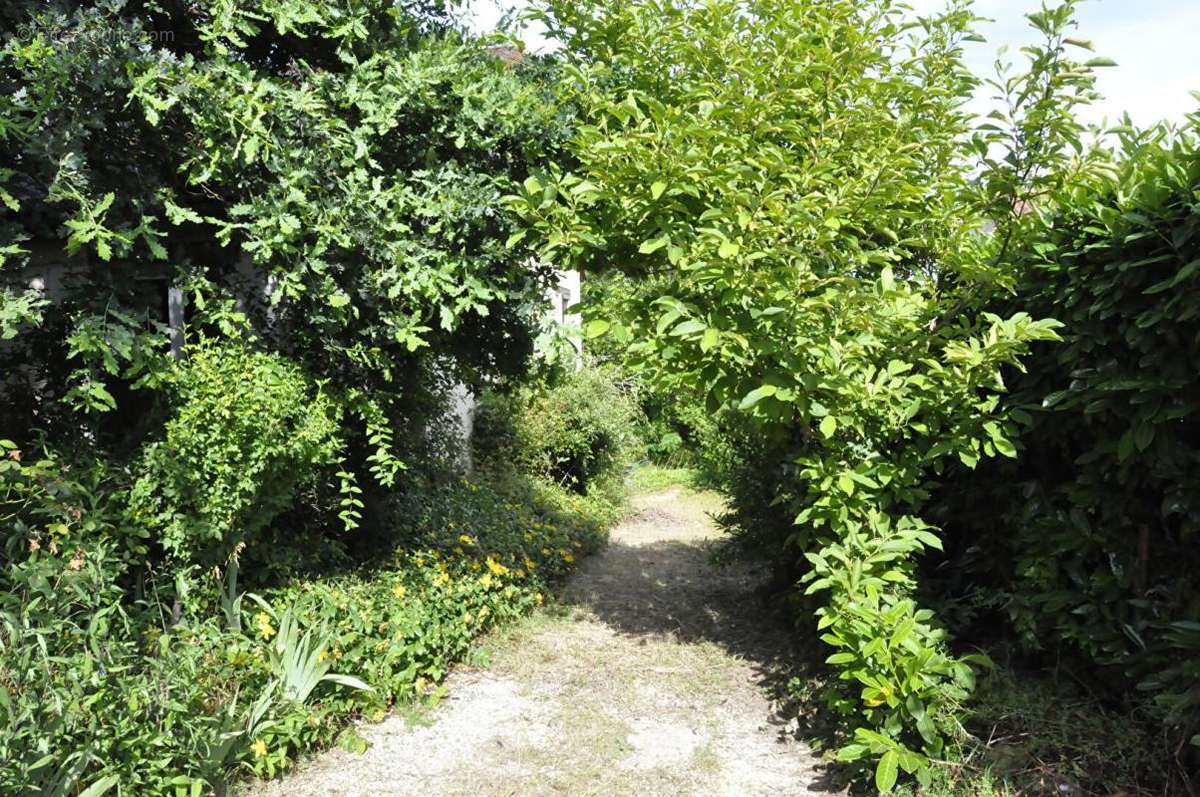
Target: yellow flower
pixel 259 747
pixel 530 565
pixel 264 625
pixel 496 568
pixel 399 591
pixel 322 656
pixel 465 539
pixel 538 597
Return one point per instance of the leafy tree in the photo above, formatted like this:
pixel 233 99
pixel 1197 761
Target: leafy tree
pixel 805 178
pixel 322 180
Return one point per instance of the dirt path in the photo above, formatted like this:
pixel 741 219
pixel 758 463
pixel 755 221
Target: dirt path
pixel 652 678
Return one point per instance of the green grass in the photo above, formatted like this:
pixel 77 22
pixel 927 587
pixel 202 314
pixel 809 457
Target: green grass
pixel 1034 734
pixel 652 478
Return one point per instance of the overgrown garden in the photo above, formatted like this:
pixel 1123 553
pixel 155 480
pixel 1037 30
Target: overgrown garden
pixel 943 368
pixel 248 250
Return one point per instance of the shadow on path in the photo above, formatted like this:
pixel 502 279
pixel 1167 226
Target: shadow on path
pixel 668 586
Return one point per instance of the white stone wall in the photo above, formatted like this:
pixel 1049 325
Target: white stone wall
pixel 562 296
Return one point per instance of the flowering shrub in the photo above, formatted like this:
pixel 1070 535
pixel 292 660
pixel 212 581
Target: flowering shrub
pixel 156 706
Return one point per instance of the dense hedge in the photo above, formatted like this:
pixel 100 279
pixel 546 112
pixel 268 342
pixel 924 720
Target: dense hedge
pixel 1087 545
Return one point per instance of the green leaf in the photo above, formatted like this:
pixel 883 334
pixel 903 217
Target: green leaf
pixel 728 249
pixel 1125 446
pixel 829 426
pixel 596 328
pixel 927 729
pixel 689 327
pixel 100 787
pixel 865 481
pixel 852 752
pixel 929 538
pixel 653 245
pixel 757 395
pixel 887 771
pixel 1005 446
pixel 656 190
pixel 1101 62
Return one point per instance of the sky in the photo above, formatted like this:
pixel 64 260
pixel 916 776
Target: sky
pixel 1156 44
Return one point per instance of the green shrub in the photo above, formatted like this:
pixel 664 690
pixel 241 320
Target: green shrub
pixel 248 429
pixel 580 433
pixel 674 424
pixel 1040 732
pixel 811 202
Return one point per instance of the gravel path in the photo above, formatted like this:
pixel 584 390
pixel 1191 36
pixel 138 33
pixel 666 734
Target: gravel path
pixel 653 677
